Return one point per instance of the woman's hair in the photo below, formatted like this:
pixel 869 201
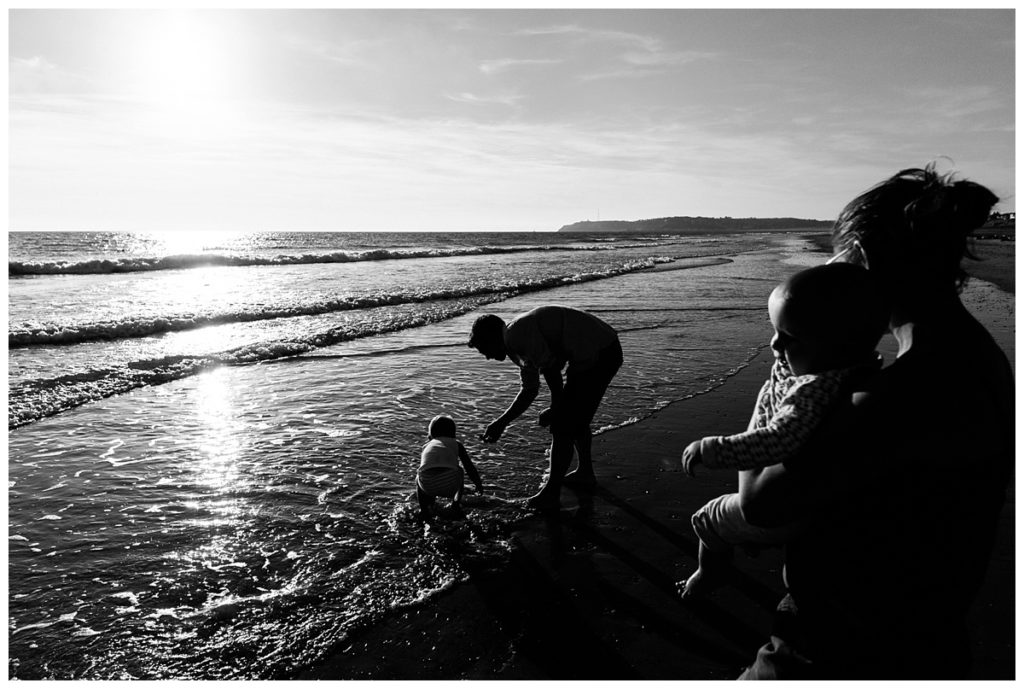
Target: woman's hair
pixel 917 216
pixel 441 427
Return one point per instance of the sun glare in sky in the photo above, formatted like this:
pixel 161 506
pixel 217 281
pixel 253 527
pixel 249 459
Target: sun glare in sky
pixel 187 67
pixel 182 57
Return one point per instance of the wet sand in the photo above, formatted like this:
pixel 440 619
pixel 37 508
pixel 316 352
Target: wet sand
pixel 589 594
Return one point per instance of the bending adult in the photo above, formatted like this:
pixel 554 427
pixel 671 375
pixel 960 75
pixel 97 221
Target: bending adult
pixel 544 341
pixel 903 492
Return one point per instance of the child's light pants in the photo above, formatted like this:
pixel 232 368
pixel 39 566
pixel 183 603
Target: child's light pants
pixel 720 526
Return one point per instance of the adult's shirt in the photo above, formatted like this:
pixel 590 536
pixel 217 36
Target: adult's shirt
pixel 549 337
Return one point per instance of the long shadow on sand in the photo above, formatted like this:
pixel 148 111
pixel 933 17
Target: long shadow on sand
pixel 756 590
pixel 571 613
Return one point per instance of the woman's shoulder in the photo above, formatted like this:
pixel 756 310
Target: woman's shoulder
pixel 962 355
pixel 962 384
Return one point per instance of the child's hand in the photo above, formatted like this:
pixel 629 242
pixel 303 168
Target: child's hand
pixel 691 457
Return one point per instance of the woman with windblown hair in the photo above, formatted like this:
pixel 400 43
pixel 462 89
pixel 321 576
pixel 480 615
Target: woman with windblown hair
pixel 903 489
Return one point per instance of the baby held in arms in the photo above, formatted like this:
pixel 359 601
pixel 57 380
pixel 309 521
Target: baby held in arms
pixel 828 321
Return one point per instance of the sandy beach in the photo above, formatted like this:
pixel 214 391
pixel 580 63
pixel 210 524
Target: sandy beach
pixel 589 594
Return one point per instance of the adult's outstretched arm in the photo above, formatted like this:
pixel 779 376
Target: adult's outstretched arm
pixel 524 398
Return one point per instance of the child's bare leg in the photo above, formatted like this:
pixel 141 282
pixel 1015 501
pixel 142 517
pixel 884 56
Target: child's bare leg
pixel 426 502
pixel 455 510
pixel 716 525
pixel 711 568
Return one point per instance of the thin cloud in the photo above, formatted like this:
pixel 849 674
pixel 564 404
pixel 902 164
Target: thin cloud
pixel 595 35
pixel 639 65
pixel 961 101
pixel 349 53
pixel 635 55
pixel 621 73
pixel 505 64
pixel 667 58
pixel 38 75
pixel 509 99
pixel 552 30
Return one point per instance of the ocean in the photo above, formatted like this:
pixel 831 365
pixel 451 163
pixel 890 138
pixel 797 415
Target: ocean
pixel 213 438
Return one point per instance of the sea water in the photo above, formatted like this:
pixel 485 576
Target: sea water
pixel 213 440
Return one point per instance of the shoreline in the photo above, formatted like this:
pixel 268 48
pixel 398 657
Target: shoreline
pixel 589 593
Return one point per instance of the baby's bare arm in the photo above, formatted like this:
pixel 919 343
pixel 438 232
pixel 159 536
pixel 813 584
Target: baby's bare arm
pixel 474 476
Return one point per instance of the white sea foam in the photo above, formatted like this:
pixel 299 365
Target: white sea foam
pixel 185 261
pixel 40 398
pixel 34 334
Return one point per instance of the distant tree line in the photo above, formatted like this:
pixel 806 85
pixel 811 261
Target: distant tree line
pixel 999 226
pixel 1001 220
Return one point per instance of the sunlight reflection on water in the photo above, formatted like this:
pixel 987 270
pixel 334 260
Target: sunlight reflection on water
pixel 219 442
pixel 215 473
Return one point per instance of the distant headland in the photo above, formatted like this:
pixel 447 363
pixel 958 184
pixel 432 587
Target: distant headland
pixel 999 225
pixel 696 224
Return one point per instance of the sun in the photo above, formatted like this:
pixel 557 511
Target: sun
pixel 187 67
pixel 184 55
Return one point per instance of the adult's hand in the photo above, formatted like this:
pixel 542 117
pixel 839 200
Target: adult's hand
pixel 545 417
pixel 494 431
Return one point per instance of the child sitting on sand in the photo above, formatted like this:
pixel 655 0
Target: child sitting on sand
pixel 828 321
pixel 439 474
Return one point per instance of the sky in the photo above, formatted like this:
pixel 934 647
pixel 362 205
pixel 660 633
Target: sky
pixel 491 119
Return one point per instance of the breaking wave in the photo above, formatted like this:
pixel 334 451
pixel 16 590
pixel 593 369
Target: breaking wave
pixel 67 334
pixel 137 264
pixel 41 398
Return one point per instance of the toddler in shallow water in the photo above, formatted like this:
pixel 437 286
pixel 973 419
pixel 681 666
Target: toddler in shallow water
pixel 439 474
pixel 828 321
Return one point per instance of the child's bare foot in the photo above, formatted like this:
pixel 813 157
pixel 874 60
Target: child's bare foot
pixel 579 479
pixel 698 584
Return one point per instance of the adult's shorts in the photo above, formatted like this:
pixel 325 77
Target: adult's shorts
pixel 584 389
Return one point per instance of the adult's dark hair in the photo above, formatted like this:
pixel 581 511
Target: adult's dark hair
pixel 486 328
pixel 918 219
